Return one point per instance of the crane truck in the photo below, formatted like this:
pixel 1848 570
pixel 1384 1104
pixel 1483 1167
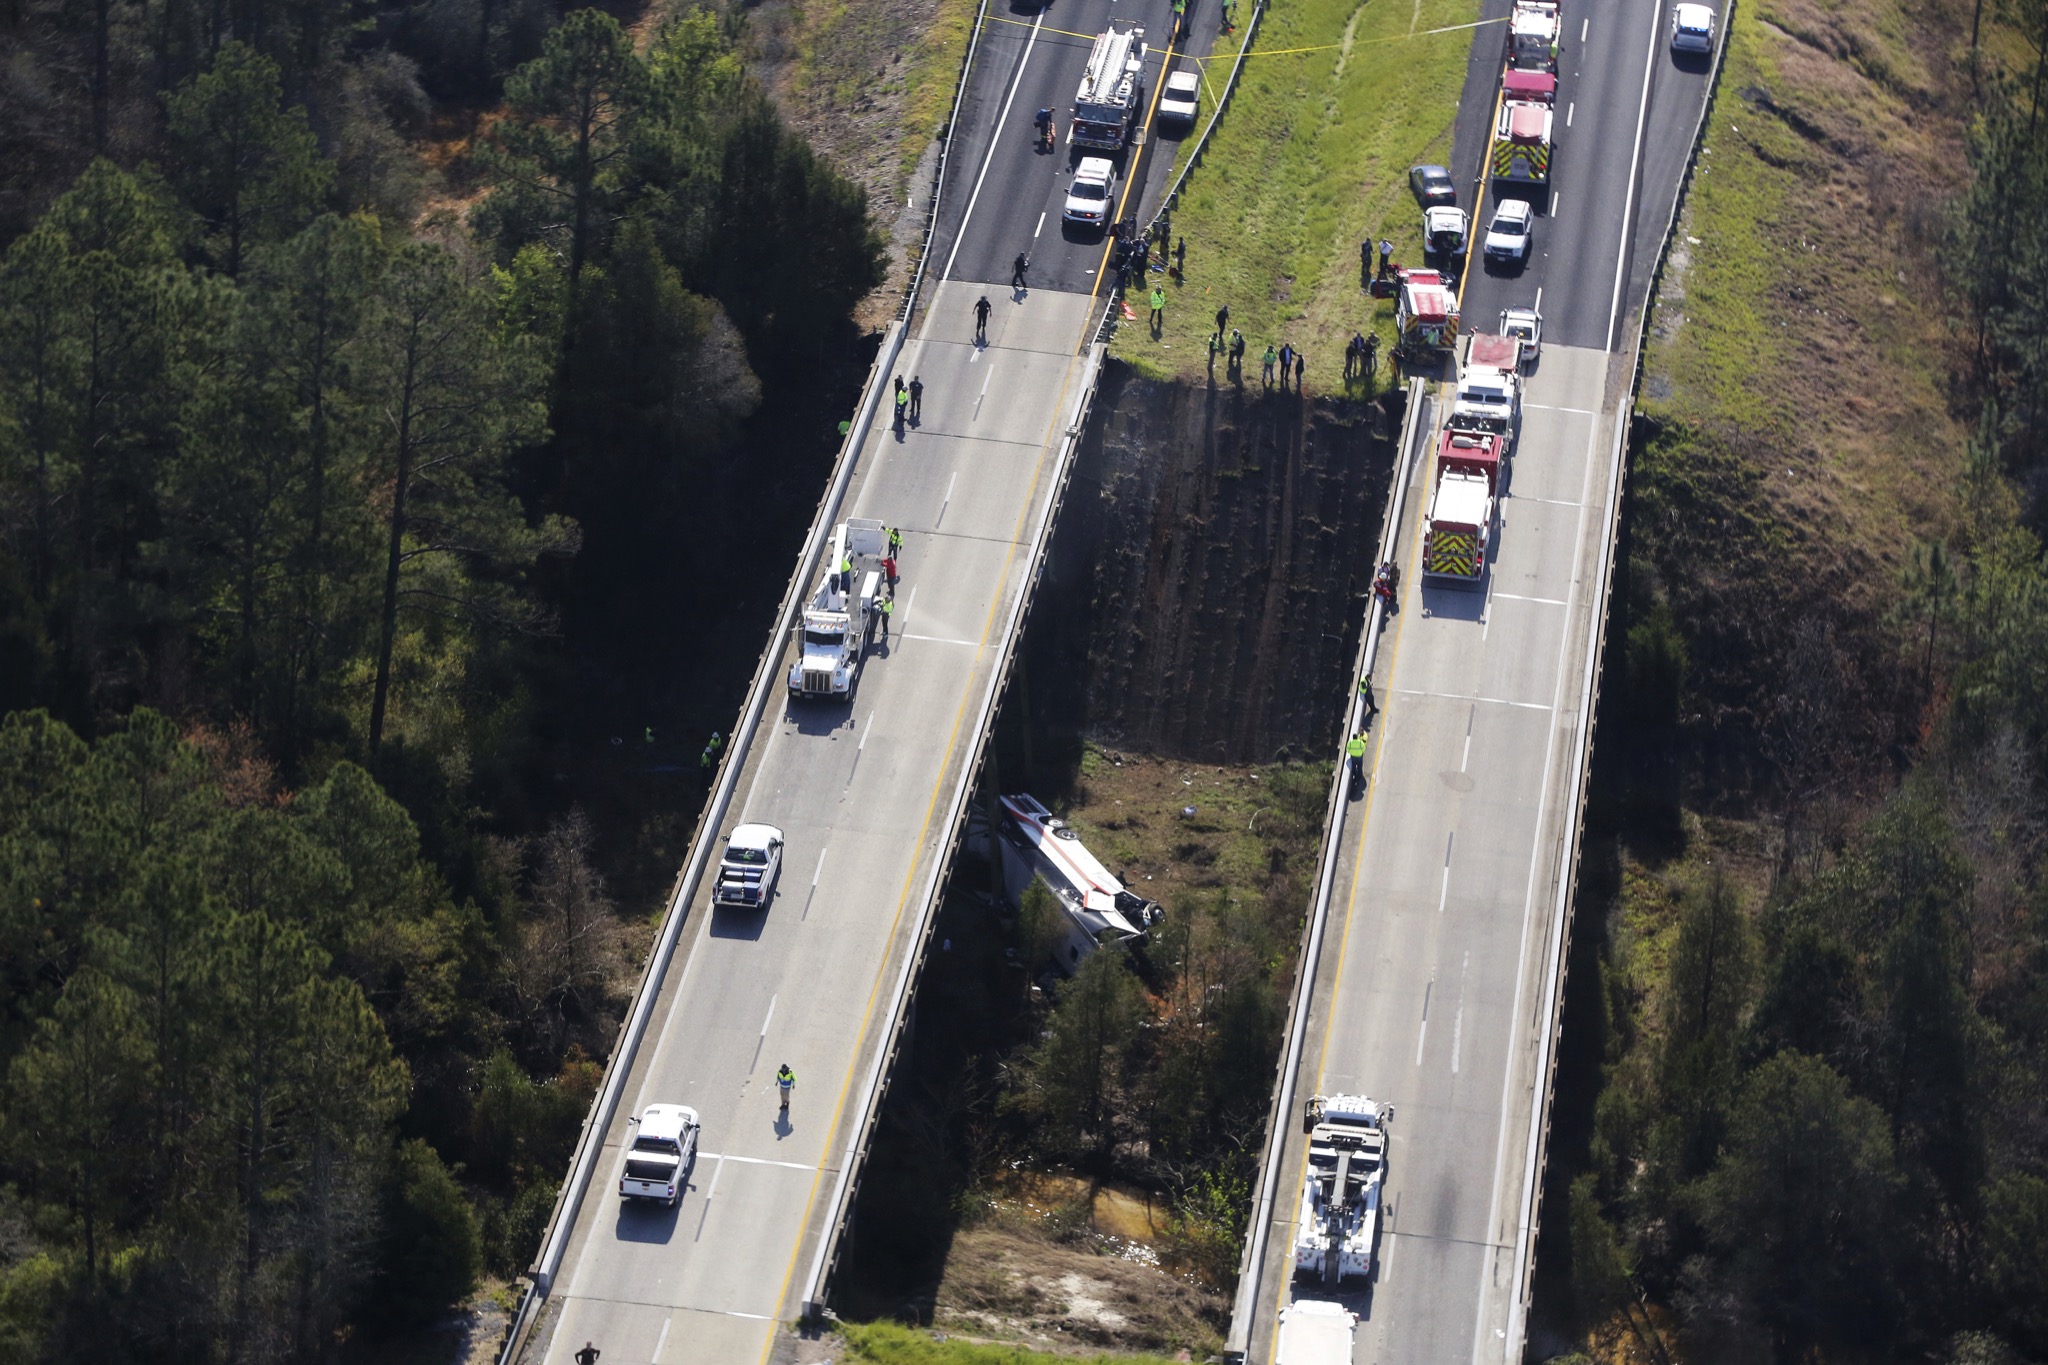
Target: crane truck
pixel 1315 1332
pixel 1457 533
pixel 1111 90
pixel 1522 139
pixel 839 620
pixel 1340 1189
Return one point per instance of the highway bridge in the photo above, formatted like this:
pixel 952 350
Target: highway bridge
pixel 867 793
pixel 1436 983
pixel 1438 979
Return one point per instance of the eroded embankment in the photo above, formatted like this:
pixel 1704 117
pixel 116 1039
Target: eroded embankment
pixel 1206 579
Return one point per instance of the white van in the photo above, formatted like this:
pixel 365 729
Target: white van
pixel 658 1160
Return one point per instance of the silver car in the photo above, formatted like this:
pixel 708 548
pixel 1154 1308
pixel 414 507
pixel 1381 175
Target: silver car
pixel 1692 28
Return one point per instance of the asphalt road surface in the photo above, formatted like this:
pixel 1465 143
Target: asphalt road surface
pixel 1433 988
pixel 859 788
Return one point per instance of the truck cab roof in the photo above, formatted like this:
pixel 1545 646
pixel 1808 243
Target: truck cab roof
pixel 752 839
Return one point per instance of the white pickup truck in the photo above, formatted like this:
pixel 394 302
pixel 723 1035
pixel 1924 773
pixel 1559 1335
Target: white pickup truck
pixel 748 871
pixel 658 1161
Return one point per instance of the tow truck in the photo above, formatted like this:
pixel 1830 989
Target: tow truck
pixel 839 620
pixel 1489 396
pixel 1533 31
pixel 1340 1189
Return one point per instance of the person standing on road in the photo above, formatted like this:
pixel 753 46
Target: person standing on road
pixel 1017 270
pixel 916 398
pixel 1266 366
pixel 902 403
pixel 889 568
pixel 785 1081
pixel 588 1355
pixel 888 610
pixel 895 541
pixel 981 307
pixel 1158 309
pixel 1354 749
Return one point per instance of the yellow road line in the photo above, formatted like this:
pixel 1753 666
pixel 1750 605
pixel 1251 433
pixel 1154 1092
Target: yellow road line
pixel 1479 197
pixel 953 738
pixel 1372 786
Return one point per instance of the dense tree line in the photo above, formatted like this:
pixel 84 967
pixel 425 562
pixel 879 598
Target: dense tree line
pixel 333 538
pixel 1820 1127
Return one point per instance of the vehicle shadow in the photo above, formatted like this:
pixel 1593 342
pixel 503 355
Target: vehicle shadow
pixel 738 921
pixel 643 1222
pixel 815 717
pixel 1447 603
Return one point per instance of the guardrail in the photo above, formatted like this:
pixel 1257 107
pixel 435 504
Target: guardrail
pixel 847 1187
pixel 1279 1128
pixel 931 216
pixel 569 1199
pixel 1536 1164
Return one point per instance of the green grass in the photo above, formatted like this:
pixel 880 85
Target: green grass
pixel 1338 98
pixel 887 1344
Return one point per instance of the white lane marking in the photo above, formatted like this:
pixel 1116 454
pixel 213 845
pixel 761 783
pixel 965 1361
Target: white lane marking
pixel 861 747
pixel 766 1018
pixel 1490 701
pixel 1041 226
pixel 1539 301
pixel 1443 894
pixel 1507 1079
pixel 1569 110
pixel 1546 502
pixel 1457 1036
pixel 1468 737
pixel 910 603
pixel 1583 24
pixel 1424 1033
pixel 1546 601
pixel 1628 203
pixel 1554 199
pixel 947 501
pixel 1551 407
pixel 942 640
pixel 819 870
pixel 661 1340
pixel 977 411
pixel 722 1157
pixel 712 1191
pixel 995 140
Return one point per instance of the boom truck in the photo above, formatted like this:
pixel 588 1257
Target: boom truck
pixel 1340 1189
pixel 1522 141
pixel 1112 89
pixel 839 620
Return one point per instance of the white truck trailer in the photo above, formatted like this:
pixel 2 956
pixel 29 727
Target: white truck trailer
pixel 1340 1189
pixel 839 620
pixel 1100 909
pixel 1315 1332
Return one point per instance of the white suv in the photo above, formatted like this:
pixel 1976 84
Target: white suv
pixel 1088 196
pixel 1692 28
pixel 1182 98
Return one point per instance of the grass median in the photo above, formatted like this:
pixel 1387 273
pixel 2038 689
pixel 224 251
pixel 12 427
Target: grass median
pixel 1337 99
